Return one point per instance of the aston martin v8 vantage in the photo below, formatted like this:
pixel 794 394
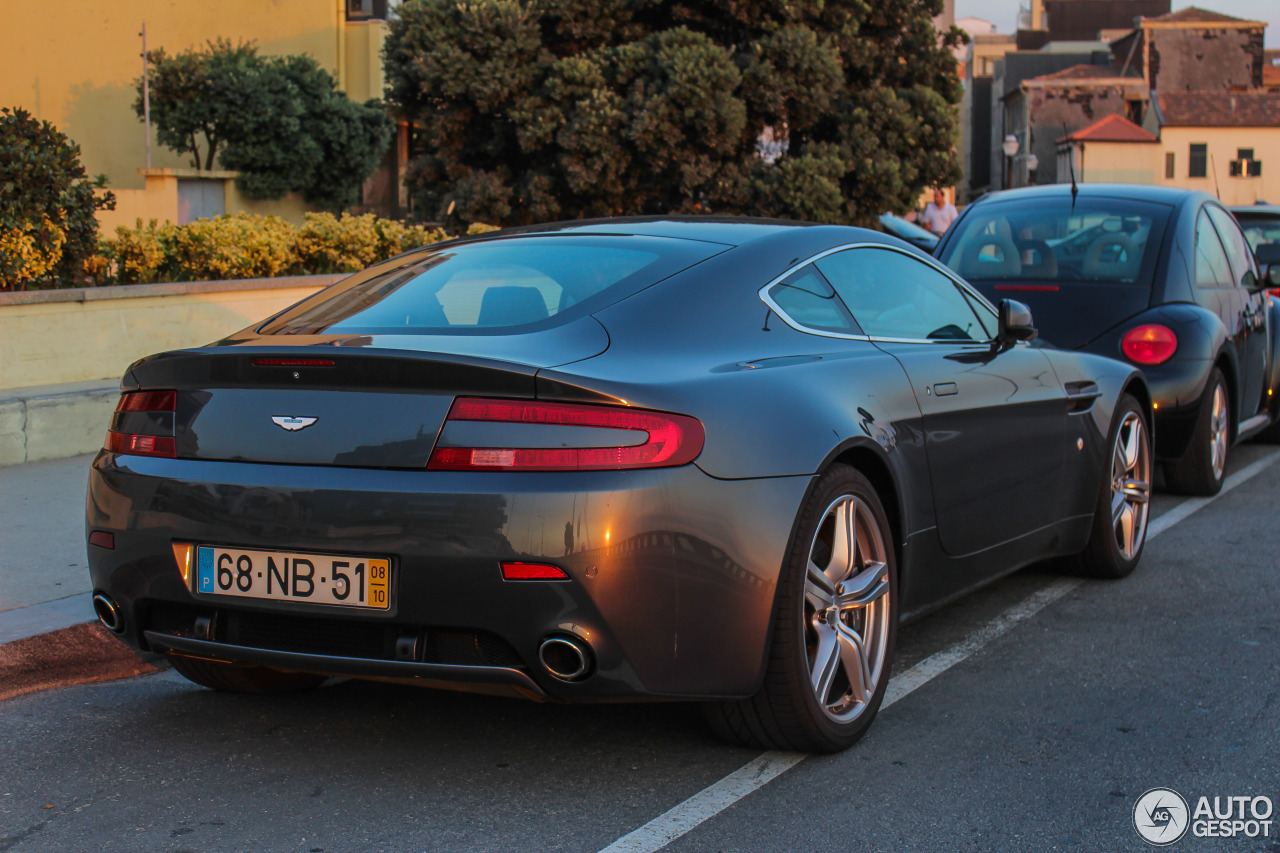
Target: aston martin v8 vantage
pixel 669 459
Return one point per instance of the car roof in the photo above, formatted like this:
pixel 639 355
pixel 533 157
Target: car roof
pixel 1171 196
pixel 727 230
pixel 1259 208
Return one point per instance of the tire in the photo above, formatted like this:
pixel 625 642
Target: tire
pixel 824 579
pixel 1123 508
pixel 1203 467
pixel 242 678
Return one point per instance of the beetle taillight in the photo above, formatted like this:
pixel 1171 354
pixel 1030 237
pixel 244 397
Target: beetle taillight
pixel 661 440
pixel 1150 344
pixel 143 424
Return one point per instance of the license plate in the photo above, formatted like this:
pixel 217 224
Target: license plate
pixel 345 581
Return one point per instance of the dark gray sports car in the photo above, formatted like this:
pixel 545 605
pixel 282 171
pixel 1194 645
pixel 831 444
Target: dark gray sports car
pixel 695 459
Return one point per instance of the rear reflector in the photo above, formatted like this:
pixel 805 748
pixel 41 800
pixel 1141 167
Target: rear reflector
pixel 532 572
pixel 103 539
pixel 669 439
pixel 1150 344
pixel 132 413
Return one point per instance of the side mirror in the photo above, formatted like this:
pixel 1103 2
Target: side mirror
pixel 1015 323
pixel 1273 275
pixel 1253 284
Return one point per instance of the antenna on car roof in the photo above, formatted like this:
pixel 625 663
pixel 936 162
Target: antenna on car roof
pixel 1213 166
pixel 1071 162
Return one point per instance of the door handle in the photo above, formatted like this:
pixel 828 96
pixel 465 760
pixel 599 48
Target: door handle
pixel 945 389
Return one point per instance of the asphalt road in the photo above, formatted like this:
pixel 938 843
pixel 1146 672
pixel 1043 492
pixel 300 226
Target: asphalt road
pixel 1042 740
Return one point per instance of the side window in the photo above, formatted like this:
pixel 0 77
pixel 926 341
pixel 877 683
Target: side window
pixel 808 299
pixel 1238 251
pixel 893 295
pixel 1212 269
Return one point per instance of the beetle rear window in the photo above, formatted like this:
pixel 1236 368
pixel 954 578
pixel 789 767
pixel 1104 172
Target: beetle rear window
pixel 1053 240
pixel 500 286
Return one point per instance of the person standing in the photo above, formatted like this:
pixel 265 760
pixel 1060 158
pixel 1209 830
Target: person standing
pixel 939 213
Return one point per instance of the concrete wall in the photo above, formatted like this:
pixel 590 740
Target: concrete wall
pixel 1223 143
pixel 1190 59
pixel 62 352
pixel 74 62
pixel 50 337
pixel 1117 163
pixel 159 201
pixel 1053 108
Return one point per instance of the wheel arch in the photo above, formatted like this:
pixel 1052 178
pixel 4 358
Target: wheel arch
pixel 870 460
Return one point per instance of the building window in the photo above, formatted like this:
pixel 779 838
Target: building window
pixel 1244 166
pixel 1198 161
pixel 364 10
pixel 1169 158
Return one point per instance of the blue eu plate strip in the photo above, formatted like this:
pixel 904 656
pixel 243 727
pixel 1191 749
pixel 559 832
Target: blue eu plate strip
pixel 204 572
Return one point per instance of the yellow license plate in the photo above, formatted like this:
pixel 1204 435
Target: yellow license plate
pixel 342 581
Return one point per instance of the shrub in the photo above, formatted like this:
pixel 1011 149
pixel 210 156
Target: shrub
pixel 245 246
pixel 47 203
pixel 142 253
pixel 327 244
pixel 239 246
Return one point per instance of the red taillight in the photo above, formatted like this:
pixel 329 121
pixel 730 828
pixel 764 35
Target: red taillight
pixel 669 439
pixel 135 430
pixel 147 401
pixel 1150 344
pixel 532 572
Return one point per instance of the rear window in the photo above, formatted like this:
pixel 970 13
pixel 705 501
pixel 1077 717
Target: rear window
pixel 495 287
pixel 1095 240
pixel 1260 230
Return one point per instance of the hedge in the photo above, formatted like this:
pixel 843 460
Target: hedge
pixel 248 246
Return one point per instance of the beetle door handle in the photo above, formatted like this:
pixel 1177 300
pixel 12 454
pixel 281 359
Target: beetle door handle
pixel 945 389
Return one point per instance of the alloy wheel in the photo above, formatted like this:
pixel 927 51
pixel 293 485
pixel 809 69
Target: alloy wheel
pixel 1219 424
pixel 846 604
pixel 1130 484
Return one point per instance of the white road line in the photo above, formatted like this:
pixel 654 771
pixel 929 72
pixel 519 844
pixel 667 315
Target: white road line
pixel 1190 505
pixel 707 803
pixel 757 773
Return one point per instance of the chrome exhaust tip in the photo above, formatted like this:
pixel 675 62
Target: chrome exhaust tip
pixel 108 613
pixel 566 658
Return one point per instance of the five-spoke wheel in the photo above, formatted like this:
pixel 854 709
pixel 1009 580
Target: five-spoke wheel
pixel 834 626
pixel 846 608
pixel 1120 518
pixel 1130 484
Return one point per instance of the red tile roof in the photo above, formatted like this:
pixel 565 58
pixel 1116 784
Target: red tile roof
pixel 1081 72
pixel 1194 15
pixel 1112 128
pixel 1218 109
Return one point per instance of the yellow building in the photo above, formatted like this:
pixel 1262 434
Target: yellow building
pixel 74 63
pixel 1225 143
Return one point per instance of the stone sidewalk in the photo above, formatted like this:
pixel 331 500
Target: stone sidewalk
pixel 44 576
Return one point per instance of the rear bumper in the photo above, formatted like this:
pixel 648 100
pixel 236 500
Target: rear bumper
pixel 672 572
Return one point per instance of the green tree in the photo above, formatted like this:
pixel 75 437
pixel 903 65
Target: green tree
pixel 565 108
pixel 47 203
pixel 279 121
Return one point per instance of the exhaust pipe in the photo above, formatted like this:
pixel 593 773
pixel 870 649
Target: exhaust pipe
pixel 108 613
pixel 566 658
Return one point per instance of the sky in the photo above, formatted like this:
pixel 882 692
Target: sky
pixel 1004 13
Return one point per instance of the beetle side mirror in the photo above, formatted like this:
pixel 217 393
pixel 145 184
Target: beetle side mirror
pixel 1015 324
